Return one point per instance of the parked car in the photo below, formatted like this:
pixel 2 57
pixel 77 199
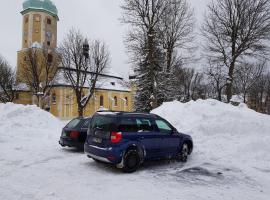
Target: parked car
pixel 74 133
pixel 126 140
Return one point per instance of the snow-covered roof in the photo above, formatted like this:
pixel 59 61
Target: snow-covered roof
pixel 105 81
pixel 22 87
pixel 110 72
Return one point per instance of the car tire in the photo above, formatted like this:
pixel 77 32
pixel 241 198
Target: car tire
pixel 183 154
pixel 131 161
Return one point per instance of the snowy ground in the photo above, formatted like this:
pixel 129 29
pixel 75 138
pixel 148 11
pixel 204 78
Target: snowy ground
pixel 231 159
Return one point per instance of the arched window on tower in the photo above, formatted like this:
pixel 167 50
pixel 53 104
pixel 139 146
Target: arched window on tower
pixel 115 101
pixel 126 99
pixel 53 98
pixel 49 21
pixel 101 101
pixel 50 58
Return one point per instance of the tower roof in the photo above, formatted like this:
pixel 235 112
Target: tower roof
pixel 40 5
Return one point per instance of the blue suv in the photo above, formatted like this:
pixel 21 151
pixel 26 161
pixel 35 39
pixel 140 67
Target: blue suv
pixel 126 140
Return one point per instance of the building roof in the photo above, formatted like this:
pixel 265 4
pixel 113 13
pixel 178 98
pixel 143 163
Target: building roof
pixel 105 81
pixel 40 5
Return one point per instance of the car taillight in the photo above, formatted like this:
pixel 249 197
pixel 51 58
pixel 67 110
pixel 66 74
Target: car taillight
pixel 116 137
pixel 74 134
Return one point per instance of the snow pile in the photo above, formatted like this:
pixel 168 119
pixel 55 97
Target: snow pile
pixel 226 137
pixel 25 129
pixel 25 117
pixel 231 158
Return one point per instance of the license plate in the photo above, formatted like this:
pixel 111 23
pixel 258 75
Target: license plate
pixel 97 140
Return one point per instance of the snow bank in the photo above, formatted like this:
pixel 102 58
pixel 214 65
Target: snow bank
pixel 20 116
pixel 28 127
pixel 225 136
pixel 230 159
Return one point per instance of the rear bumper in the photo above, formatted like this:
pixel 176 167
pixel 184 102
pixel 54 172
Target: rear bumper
pixel 68 142
pixel 106 160
pixel 108 155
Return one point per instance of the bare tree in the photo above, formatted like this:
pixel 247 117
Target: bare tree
pixel 38 69
pixel 235 29
pixel 247 75
pixel 176 30
pixel 159 31
pixel 189 84
pixel 7 82
pixel 267 96
pixel 81 68
pixel 259 94
pixel 216 77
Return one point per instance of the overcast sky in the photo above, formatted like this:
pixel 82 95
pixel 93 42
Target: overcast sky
pixel 98 19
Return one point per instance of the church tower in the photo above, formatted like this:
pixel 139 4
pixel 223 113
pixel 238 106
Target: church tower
pixel 39 23
pixel 39 29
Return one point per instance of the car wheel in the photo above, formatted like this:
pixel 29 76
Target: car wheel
pixel 131 161
pixel 183 154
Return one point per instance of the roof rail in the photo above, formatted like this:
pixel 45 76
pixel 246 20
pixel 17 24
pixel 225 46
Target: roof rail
pixel 125 112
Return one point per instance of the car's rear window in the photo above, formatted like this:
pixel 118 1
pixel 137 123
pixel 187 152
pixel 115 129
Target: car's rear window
pixel 73 123
pixel 104 123
pixel 86 123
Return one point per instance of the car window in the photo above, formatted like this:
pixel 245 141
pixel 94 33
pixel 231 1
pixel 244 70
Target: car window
pixel 163 126
pixel 144 125
pixel 128 125
pixel 73 123
pixel 135 125
pixel 86 123
pixel 103 122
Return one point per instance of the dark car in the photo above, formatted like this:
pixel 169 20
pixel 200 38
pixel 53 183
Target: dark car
pixel 126 140
pixel 74 133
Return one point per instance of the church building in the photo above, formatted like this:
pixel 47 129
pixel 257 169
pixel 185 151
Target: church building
pixel 39 30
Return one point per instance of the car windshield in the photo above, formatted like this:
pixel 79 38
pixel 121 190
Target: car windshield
pixel 103 123
pixel 73 123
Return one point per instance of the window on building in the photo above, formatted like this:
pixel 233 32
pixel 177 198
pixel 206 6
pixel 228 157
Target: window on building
pixel 48 43
pixel 115 101
pixel 101 100
pixel 26 19
pixel 50 58
pixel 126 101
pixel 49 21
pixel 53 98
pixel 37 18
pixel 25 41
